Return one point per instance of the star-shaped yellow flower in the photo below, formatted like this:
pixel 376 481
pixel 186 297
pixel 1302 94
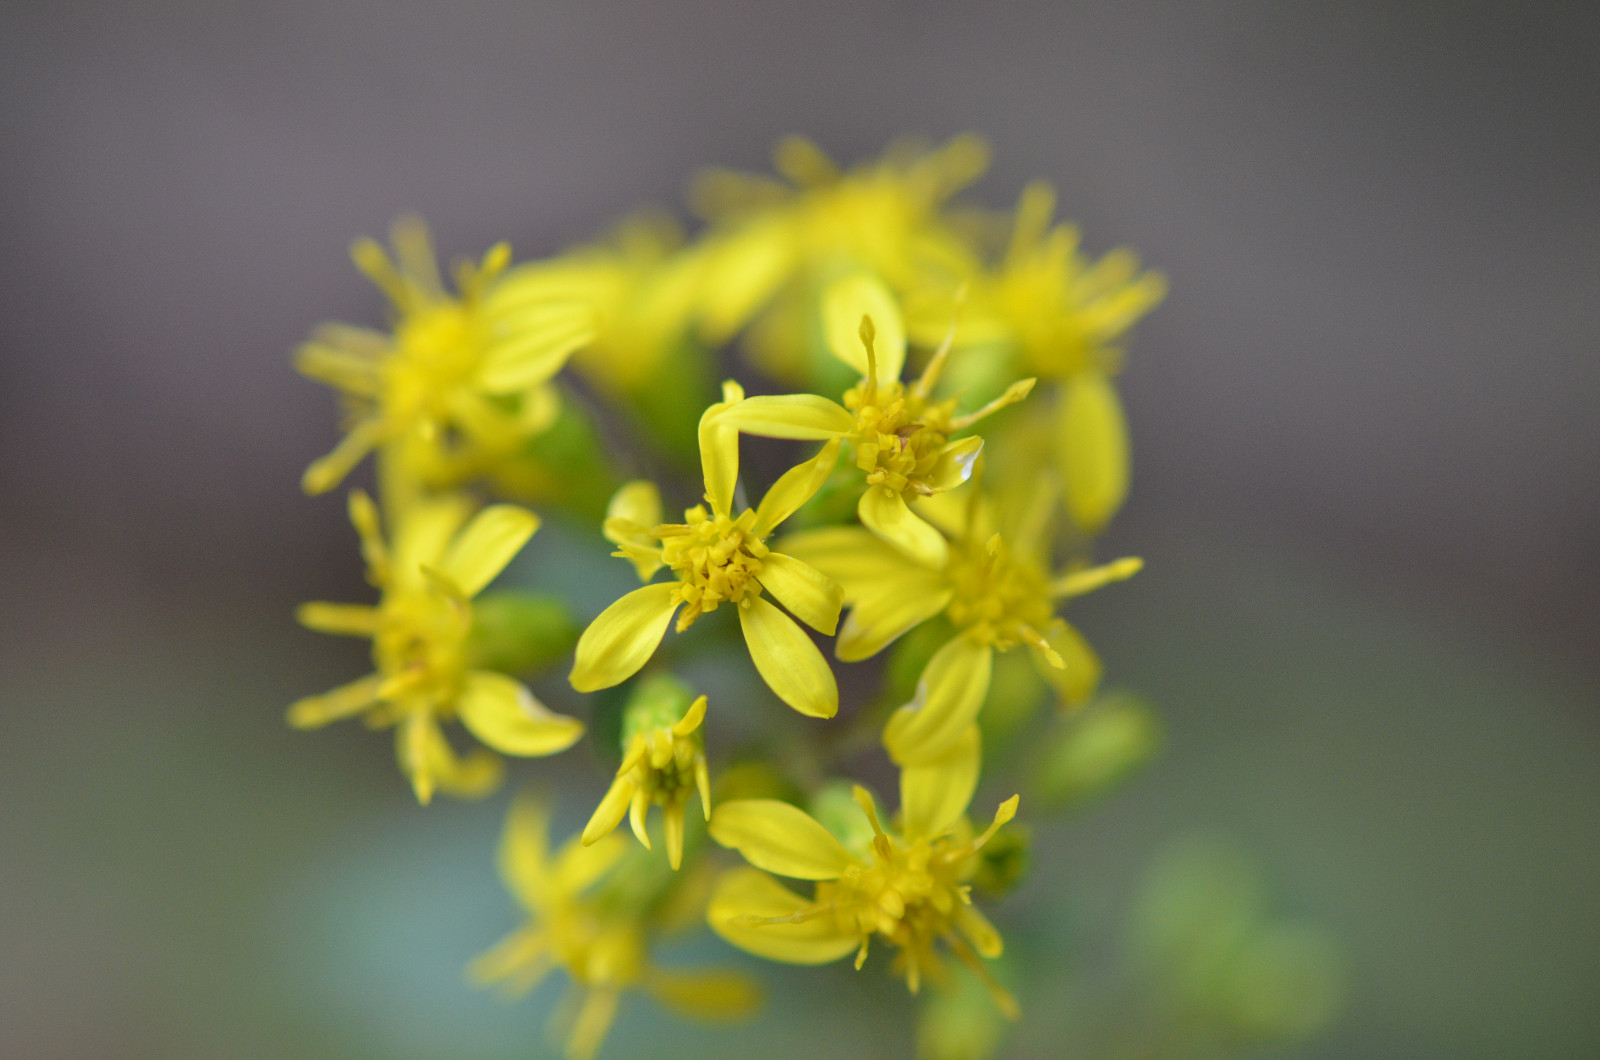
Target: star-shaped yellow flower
pixel 459 380
pixel 664 762
pixel 439 560
pixel 719 558
pixel 901 434
pixel 997 595
pixel 910 887
pixel 585 918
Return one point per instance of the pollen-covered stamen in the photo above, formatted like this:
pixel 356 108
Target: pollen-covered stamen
pixel 715 558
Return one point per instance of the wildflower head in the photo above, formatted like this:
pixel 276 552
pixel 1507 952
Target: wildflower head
pixel 718 557
pixel 663 763
pixel 590 913
pixel 911 887
pixel 421 628
pixel 459 379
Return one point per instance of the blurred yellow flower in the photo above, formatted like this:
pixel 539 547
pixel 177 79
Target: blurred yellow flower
pixel 910 887
pixel 996 595
pixel 600 936
pixel 459 381
pixel 719 558
pixel 419 629
pixel 1058 316
pixel 883 216
pixel 664 763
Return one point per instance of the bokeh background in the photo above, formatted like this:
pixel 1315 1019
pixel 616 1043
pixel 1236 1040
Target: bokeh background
pixel 1366 442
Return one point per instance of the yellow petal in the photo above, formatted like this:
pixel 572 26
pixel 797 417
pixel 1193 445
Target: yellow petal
pixel 328 471
pixel 422 533
pixel 744 895
pixel 811 596
pixel 793 488
pixel 844 303
pixel 802 417
pixel 691 718
pixel 541 339
pixel 712 995
pixel 634 509
pixel 857 559
pixel 934 795
pixel 623 637
pixel 982 934
pixel 672 831
pixel 577 864
pixel 1092 450
pixel 374 551
pixel 502 713
pixel 948 698
pixel 483 549
pixel 610 812
pixel 1077 680
pixel 877 620
pixel 780 837
pixel 1088 579
pixel 525 853
pixel 313 712
pixel 351 620
pixel 639 502
pixel 517 962
pixel 955 463
pixel 787 660
pixel 719 451
pixel 884 512
pixel 589 1027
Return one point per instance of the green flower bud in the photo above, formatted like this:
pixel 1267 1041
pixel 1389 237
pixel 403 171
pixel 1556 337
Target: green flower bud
pixel 658 702
pixel 1093 750
pixel 518 633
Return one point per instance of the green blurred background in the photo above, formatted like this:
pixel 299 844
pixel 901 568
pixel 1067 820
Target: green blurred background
pixel 1366 455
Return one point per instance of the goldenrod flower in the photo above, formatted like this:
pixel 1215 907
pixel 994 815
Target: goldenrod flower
pixel 901 435
pixel 599 935
pixel 719 558
pixel 664 762
pixel 911 887
pixel 882 216
pixel 459 381
pixel 1062 318
pixel 419 629
pixel 996 595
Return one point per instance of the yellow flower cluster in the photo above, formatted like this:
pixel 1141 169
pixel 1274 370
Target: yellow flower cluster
pixel 938 546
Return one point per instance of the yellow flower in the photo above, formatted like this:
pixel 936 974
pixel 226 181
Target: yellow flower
pixel 997 596
pixel 598 934
pixel 901 435
pixel 911 887
pixel 664 762
pixel 883 216
pixel 643 286
pixel 419 629
pixel 459 381
pixel 1062 317
pixel 719 558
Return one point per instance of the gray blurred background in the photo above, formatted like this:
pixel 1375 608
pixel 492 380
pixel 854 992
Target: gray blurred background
pixel 1366 451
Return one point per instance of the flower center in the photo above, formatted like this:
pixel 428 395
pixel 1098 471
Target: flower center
pixel 420 646
pixel 899 436
pixel 1000 598
pixel 715 558
pixel 436 350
